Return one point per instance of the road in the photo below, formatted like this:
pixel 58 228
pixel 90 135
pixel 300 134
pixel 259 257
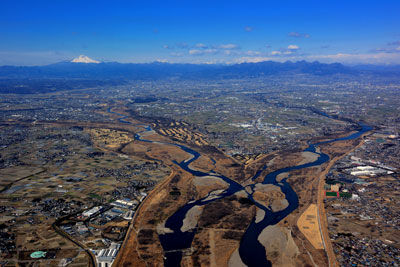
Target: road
pixel 58 230
pixel 322 218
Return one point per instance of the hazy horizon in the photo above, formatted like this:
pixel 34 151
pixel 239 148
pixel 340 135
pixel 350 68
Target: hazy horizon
pixel 70 60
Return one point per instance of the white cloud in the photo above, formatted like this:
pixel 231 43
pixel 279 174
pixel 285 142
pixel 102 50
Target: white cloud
pixel 200 45
pixel 373 58
pixel 229 46
pixel 211 51
pixel 161 60
pixel 253 53
pixel 231 52
pixel 176 54
pixel 202 51
pixel 386 50
pixel 195 52
pixel 291 49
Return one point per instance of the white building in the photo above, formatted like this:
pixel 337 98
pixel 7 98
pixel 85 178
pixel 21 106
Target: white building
pixel 364 168
pixel 125 203
pixel 92 211
pixel 129 215
pixel 143 195
pixel 362 173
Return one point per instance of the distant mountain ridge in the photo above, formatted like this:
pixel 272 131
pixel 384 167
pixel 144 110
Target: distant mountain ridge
pixel 69 75
pixel 158 70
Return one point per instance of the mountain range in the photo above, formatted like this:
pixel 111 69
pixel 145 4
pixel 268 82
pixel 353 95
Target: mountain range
pixel 84 72
pixel 158 70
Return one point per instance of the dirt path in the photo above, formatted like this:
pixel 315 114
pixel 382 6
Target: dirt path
pixel 213 262
pixel 58 230
pixel 323 223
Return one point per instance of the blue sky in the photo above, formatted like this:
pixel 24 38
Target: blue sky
pixel 351 32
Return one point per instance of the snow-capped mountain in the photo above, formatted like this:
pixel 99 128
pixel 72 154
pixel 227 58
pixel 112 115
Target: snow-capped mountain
pixel 84 59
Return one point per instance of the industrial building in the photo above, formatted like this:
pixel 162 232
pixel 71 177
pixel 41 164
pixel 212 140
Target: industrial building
pixel 368 171
pixel 92 211
pixel 105 257
pixel 125 203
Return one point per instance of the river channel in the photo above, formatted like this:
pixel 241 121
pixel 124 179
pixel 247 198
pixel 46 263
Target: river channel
pixel 251 251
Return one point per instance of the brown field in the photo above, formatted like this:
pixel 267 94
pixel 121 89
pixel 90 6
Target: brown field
pixel 15 173
pixel 152 150
pixel 202 163
pixel 109 138
pixel 309 225
pixel 179 132
pixel 8 176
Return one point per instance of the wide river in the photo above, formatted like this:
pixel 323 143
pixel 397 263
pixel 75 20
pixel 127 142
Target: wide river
pixel 251 251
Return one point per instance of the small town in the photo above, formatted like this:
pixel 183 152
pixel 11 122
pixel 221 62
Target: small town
pixel 362 205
